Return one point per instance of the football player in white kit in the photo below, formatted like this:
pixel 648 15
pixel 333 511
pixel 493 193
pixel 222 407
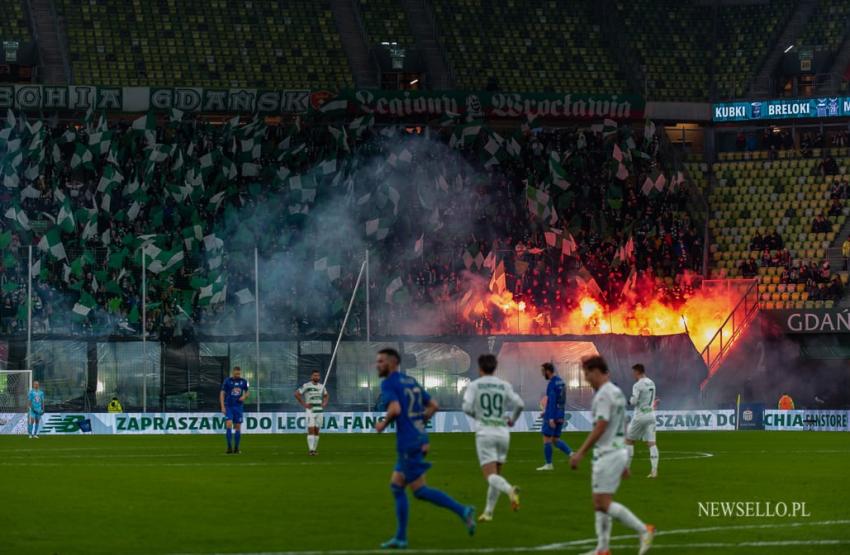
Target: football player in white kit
pixel 495 407
pixel 642 426
pixel 314 398
pixel 610 458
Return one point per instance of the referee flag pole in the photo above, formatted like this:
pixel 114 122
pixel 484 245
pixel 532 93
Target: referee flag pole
pixel 344 322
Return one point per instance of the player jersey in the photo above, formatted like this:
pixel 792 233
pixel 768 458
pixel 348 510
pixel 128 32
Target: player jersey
pixel 556 399
pixel 491 401
pixel 609 404
pixel 234 389
pixel 410 424
pixel 36 399
pixel 313 394
pixel 643 395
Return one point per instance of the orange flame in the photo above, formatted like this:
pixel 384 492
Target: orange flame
pixel 700 316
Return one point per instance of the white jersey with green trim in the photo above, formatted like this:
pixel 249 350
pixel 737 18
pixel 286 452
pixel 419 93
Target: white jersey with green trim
pixel 643 395
pixel 313 394
pixel 609 404
pixel 491 402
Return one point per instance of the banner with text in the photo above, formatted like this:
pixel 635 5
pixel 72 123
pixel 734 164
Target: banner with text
pixel 811 320
pixel 334 422
pixel 815 420
pixel 142 99
pixel 497 105
pixel 785 108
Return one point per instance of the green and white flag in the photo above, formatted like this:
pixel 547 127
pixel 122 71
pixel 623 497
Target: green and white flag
pixel 378 228
pixel 332 269
pixel 82 157
pixel 17 214
pixel 244 296
pixel 336 107
pixel 52 242
pixel 84 305
pixel 557 171
pixel 65 219
pixel 146 122
pixel 540 205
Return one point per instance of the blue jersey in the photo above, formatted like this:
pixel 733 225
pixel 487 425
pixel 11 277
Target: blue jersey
pixel 410 424
pixel 36 399
pixel 556 399
pixel 234 389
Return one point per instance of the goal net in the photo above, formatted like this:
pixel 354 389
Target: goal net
pixel 14 388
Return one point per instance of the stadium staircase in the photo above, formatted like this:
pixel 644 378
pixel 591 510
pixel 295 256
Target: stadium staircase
pixel 53 55
pixel 739 319
pixel 605 14
pixel 353 37
pixel 841 61
pixel 761 84
pixel 423 25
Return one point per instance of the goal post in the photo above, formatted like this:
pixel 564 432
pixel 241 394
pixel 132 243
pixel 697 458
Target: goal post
pixel 15 385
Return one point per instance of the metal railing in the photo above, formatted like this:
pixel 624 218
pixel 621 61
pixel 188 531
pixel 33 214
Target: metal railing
pixel 738 320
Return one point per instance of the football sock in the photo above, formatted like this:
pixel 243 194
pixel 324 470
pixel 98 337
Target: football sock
pixel 29 428
pixel 440 499
pixel 630 449
pixel 492 497
pixel 400 511
pixel 500 484
pixel 310 442
pixel 35 428
pixel 315 443
pixel 229 435
pixel 603 531
pixel 653 457
pixel 561 444
pixel 624 515
pixel 236 437
pixel 547 452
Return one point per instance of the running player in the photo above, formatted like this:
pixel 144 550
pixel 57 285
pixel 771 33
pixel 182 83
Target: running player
pixel 642 426
pixel 610 458
pixel 410 407
pixel 495 407
pixel 553 414
pixel 234 391
pixel 35 408
pixel 314 398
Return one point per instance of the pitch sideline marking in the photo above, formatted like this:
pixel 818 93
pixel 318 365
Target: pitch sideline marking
pixel 583 543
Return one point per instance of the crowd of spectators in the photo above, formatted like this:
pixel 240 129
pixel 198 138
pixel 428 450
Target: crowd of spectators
pixel 96 287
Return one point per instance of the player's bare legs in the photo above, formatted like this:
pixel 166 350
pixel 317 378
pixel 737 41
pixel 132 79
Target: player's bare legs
pixel 497 485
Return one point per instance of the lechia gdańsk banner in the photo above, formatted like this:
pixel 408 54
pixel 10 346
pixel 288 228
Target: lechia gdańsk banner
pixel 398 105
pixel 334 422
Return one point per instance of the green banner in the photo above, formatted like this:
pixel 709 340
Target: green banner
pixel 495 105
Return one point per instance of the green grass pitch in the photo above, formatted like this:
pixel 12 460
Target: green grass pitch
pixel 182 494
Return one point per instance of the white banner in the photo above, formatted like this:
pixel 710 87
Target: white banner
pixel 335 422
pixel 820 420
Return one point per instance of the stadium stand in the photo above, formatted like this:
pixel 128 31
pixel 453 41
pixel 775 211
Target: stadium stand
pixel 827 27
pixel 568 53
pixel 96 288
pixel 218 43
pixel 792 196
pixel 671 45
pixel 13 23
pixel 385 21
